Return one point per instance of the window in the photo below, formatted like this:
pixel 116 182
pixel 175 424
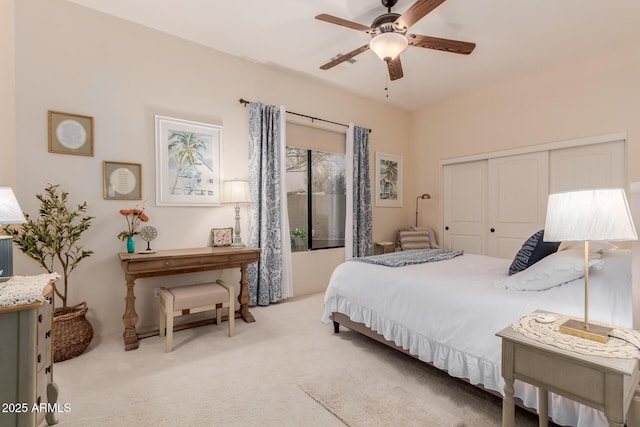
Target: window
pixel 315 222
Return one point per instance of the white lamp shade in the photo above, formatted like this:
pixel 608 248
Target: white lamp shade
pixel 10 211
pixel 600 214
pixel 236 191
pixel 388 45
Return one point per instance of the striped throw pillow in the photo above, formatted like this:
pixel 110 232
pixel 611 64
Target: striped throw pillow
pixel 414 240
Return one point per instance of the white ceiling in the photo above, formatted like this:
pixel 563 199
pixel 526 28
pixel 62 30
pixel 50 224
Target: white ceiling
pixel 512 37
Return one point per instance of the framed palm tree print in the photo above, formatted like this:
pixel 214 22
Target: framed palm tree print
pixel 388 180
pixel 188 163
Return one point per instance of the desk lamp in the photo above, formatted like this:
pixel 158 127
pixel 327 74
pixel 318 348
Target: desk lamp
pixel 10 213
pixel 238 192
pixel 588 215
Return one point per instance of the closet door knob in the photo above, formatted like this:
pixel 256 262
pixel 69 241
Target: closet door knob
pixel 446 228
pixel 493 230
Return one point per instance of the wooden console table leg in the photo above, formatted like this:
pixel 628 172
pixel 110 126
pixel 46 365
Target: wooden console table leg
pixel 243 298
pixel 130 318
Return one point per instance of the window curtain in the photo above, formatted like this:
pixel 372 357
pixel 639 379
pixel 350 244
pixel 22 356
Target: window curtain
pixel 358 226
pixel 270 279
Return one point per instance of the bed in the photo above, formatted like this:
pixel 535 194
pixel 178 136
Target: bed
pixel 446 313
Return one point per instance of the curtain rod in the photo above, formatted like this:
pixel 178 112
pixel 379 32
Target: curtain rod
pixel 245 102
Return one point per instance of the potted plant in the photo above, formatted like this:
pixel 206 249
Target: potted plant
pixel 52 240
pixel 298 239
pixel 134 218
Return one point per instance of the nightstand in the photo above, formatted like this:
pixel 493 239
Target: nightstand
pixel 603 383
pixel 384 246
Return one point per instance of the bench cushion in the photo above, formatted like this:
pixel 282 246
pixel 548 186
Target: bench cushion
pixel 200 295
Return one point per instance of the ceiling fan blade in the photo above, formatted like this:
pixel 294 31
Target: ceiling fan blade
pixel 417 11
pixel 454 46
pixel 342 58
pixel 343 22
pixel 395 69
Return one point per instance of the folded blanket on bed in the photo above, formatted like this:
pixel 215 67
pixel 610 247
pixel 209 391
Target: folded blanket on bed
pixel 416 256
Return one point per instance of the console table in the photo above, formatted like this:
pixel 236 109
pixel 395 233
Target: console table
pixel 179 261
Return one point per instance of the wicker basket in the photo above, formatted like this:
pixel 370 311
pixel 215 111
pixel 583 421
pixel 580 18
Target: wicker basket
pixel 72 332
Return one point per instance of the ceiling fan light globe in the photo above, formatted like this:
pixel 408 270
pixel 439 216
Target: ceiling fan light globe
pixel 388 45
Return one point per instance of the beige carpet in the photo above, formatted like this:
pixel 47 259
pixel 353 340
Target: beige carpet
pixel 287 369
pixel 358 401
pixel 414 395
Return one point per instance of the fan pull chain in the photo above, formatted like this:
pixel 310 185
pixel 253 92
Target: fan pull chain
pixel 386 85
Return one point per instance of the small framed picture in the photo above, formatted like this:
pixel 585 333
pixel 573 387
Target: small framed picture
pixel 70 134
pixel 388 180
pixel 221 236
pixel 122 181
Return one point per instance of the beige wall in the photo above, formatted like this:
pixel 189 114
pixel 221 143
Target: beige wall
pixel 72 59
pixel 7 95
pixel 596 95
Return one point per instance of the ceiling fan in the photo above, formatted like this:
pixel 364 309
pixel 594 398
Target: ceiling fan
pixel 390 38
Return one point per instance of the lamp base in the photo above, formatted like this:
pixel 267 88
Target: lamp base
pixel 591 332
pixel 6 256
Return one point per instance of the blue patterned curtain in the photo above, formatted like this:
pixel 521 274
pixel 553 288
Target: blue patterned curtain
pixel 270 280
pixel 358 233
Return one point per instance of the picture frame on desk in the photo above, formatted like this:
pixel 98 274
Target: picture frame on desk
pixel 222 236
pixel 188 162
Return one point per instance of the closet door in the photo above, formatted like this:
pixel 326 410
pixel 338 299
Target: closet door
pixel 589 166
pixel 465 206
pixel 518 189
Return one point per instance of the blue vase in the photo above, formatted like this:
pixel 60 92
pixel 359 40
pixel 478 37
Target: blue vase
pixel 131 245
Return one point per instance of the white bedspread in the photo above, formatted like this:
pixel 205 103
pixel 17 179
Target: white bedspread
pixel 447 313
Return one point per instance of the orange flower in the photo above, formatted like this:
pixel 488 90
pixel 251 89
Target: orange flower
pixel 133 217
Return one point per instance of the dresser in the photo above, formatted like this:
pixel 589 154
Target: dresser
pixel 28 394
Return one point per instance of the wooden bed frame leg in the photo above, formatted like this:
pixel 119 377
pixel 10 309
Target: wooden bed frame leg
pixel 336 327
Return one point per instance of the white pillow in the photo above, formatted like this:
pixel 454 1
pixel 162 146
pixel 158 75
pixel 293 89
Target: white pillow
pixel 553 270
pixel 594 247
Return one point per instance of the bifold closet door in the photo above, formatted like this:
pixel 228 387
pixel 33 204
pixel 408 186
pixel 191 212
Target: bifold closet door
pixel 491 206
pixel 518 190
pixel 590 166
pixel 465 207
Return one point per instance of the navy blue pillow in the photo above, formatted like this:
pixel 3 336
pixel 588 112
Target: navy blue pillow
pixel 543 249
pixel 532 251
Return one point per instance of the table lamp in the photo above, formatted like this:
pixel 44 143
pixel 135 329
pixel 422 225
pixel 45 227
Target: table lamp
pixel 588 215
pixel 424 197
pixel 238 192
pixel 10 213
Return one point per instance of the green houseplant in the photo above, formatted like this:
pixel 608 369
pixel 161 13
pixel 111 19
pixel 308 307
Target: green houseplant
pixel 52 240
